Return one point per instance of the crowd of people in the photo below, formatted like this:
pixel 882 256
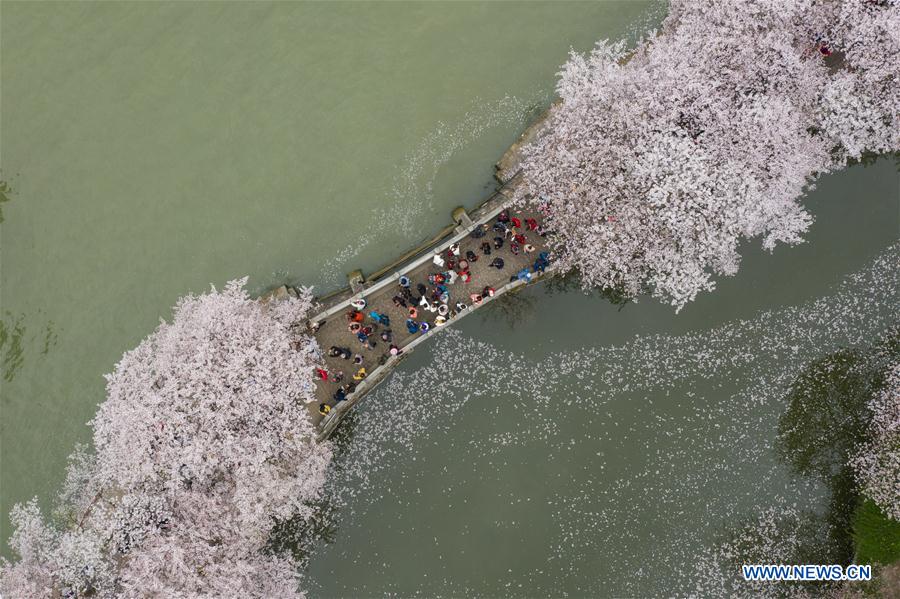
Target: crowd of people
pixel 437 299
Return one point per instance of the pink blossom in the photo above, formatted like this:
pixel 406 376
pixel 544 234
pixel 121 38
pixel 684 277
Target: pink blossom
pixel 708 134
pixel 203 443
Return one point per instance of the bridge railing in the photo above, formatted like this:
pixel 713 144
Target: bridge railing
pixel 487 210
pixel 377 376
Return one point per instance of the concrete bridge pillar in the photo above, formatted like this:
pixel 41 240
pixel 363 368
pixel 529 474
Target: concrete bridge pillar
pixel 462 217
pixel 357 281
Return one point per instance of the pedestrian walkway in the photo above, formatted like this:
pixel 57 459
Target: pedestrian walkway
pixel 367 330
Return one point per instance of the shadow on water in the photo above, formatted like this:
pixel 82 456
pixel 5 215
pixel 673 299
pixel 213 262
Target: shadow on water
pixel 13 343
pixel 299 537
pixel 788 538
pixel 12 335
pixel 827 416
pixel 571 283
pixel 510 308
pixel 5 193
pixel 521 305
pixel 826 419
pixel 13 340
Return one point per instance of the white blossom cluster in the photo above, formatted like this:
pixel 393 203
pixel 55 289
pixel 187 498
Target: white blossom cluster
pixel 861 102
pixel 657 163
pixel 877 463
pixel 203 444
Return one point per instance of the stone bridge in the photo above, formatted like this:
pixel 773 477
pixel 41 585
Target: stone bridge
pixel 468 234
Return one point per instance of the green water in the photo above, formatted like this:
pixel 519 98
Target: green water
pixel 563 447
pixel 153 148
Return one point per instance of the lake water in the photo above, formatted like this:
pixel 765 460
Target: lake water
pixel 155 148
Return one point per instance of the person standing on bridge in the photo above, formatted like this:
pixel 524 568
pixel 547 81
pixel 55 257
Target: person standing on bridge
pixel 359 304
pixel 497 263
pixel 411 325
pixel 479 231
pixel 380 318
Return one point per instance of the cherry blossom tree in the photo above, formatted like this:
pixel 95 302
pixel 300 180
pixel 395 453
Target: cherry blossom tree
pixel 203 444
pixel 877 462
pixel 657 163
pixel 861 102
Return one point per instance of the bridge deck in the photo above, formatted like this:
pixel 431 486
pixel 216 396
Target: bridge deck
pixel 333 322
